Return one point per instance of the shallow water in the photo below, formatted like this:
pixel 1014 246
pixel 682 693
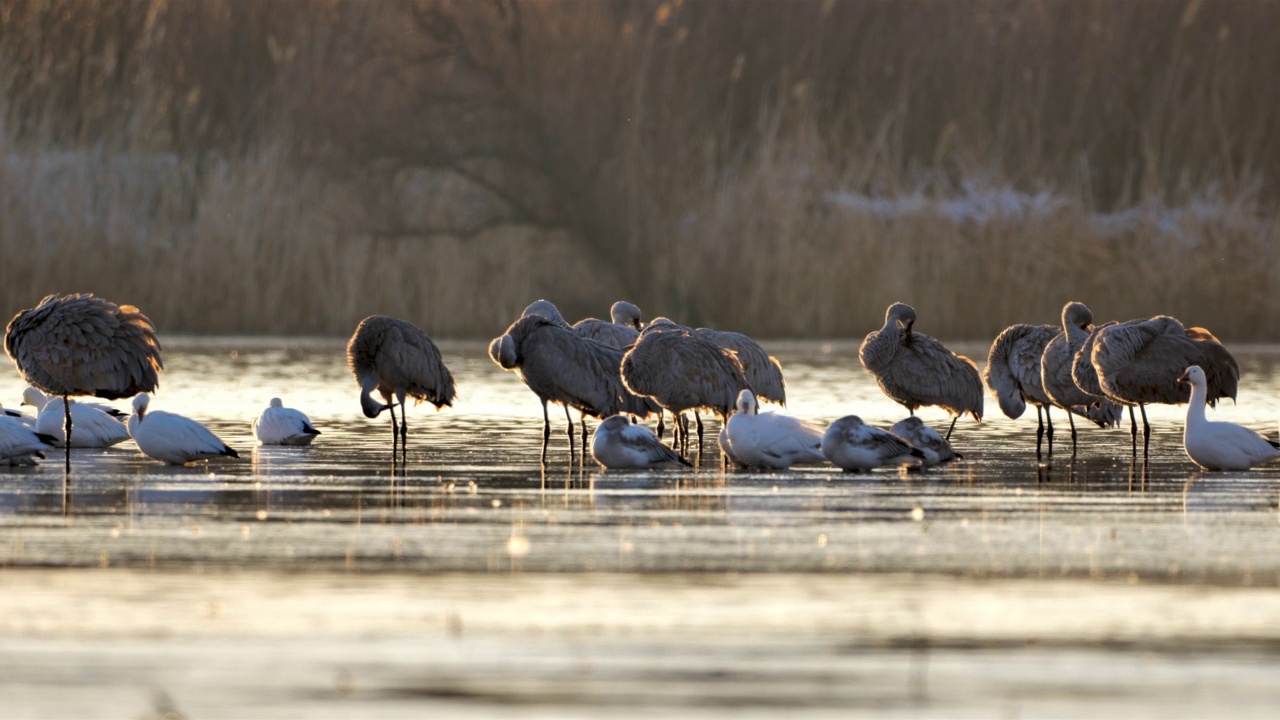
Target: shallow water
pixel 475 581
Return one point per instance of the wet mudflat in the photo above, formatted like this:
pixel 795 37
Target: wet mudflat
pixel 474 581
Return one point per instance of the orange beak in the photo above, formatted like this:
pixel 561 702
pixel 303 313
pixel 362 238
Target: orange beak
pixel 1183 378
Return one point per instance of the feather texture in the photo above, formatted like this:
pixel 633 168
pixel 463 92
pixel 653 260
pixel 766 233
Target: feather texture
pixel 915 370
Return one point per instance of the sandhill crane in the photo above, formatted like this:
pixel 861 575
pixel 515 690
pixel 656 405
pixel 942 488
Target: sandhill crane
pixel 1056 370
pixel 682 370
pixel 1139 362
pixel 279 425
pixel 1220 445
pixel 855 446
pixel 1013 374
pixel 20 444
pixel 173 439
pixel 619 443
pixel 770 440
pixel 84 345
pixel 925 439
pixel 398 360
pixel 915 370
pixel 561 367
pixel 763 371
pixel 620 333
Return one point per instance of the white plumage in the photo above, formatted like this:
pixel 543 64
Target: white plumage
pixel 770 440
pixel 618 443
pixel 936 449
pixel 20 416
pixel 172 438
pixel 1220 445
pixel 279 425
pixel 20 444
pixel 96 425
pixel 856 447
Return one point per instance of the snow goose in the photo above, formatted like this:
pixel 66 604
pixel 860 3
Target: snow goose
pixel 279 425
pixel 936 449
pixel 770 440
pixel 618 443
pixel 1220 445
pixel 96 425
pixel 19 443
pixel 856 447
pixel 171 438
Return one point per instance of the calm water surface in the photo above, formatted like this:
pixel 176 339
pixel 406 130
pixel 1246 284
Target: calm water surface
pixel 474 581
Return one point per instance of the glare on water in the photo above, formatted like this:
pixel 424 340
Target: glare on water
pixel 482 568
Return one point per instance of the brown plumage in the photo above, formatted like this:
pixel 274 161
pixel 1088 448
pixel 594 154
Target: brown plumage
pixel 1056 370
pixel 1139 362
pixel 763 371
pixel 561 367
pixel 682 370
pixel 398 360
pixel 84 345
pixel 915 370
pixel 619 332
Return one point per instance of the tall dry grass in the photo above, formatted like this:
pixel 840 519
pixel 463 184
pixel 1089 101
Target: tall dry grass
pixel 787 169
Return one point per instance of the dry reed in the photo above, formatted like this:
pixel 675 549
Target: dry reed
pixel 786 169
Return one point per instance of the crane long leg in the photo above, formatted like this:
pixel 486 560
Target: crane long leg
pixel 1133 431
pixel 395 431
pixel 66 430
pixel 698 418
pixel 582 420
pixel 1073 433
pixel 1039 431
pixel 546 429
pixel 1048 431
pixel 566 419
pixel 404 433
pixel 1146 432
pixel 661 428
pixel 953 424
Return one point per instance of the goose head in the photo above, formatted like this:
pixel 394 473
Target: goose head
pixel 140 404
pixel 275 403
pixel 1193 375
pixel 746 403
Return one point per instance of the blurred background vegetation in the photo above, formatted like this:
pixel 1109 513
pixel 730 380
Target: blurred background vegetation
pixel 781 168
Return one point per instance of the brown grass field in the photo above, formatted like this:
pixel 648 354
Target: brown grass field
pixel 786 169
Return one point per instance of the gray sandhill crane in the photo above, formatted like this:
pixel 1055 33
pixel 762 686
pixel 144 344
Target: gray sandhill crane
pixel 561 367
pixel 681 370
pixel 915 370
pixel 620 332
pixel 398 360
pixel 1085 376
pixel 1013 374
pixel 763 371
pixel 1140 361
pixel 1056 367
pixel 84 345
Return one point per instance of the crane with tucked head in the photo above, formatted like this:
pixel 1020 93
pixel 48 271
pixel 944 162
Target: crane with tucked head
pixel 82 344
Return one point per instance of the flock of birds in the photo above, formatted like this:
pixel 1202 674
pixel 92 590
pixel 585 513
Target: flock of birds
pixel 624 370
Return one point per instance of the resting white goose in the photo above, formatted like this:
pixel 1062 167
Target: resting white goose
pixel 856 447
pixel 96 425
pixel 18 415
pixel 770 440
pixel 1220 445
pixel 19 443
pixel 936 449
pixel 170 438
pixel 279 425
pixel 618 443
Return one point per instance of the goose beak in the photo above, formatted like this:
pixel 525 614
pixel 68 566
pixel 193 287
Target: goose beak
pixel 1183 378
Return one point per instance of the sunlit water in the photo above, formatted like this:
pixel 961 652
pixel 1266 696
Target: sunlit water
pixel 475 581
